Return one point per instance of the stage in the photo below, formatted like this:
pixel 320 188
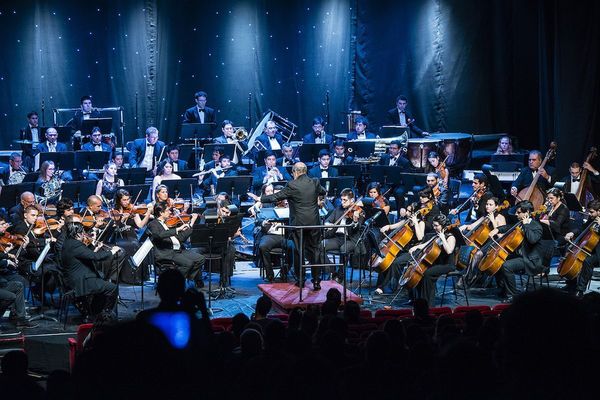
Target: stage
pixel 287 296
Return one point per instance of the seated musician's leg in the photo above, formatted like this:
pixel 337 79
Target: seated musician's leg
pixel 266 245
pixel 585 275
pixel 190 264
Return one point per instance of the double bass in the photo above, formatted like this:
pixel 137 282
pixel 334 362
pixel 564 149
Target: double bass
pixel 424 259
pixel 494 259
pixel 533 193
pixel 579 250
pixel 583 195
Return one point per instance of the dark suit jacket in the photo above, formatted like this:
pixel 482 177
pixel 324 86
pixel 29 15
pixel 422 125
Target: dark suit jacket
pixel 5 173
pixel 264 139
pixel 43 147
pixel 302 195
pixel 27 149
pixel 89 146
pixel 279 161
pixel 393 118
pixel 163 246
pixel 181 165
pixel 315 172
pixel 560 221
pixel 138 151
pixel 345 161
pixel 354 136
pixel 311 137
pixel 480 206
pixel 526 177
pixel 353 232
pixel 531 248
pixel 16 216
pixel 192 116
pixel 590 179
pixel 401 162
pixel 243 145
pixel 77 266
pixel 260 172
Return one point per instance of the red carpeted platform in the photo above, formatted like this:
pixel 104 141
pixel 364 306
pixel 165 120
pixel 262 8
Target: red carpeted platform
pixel 287 296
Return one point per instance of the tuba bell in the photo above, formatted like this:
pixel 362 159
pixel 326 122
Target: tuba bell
pixel 240 133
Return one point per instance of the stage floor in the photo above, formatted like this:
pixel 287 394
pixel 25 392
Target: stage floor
pixel 287 296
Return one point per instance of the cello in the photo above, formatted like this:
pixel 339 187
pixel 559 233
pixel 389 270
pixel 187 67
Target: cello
pixel 397 241
pixel 579 250
pixel 583 195
pixel 493 260
pixel 533 193
pixel 425 258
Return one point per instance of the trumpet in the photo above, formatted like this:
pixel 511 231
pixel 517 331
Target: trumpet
pixel 240 133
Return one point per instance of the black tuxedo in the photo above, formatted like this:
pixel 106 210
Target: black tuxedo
pixel 311 138
pixel 138 151
pixel 315 172
pixel 393 118
pixel 77 121
pixel 188 262
pixel 590 180
pixel 5 173
pixel 401 161
pixel 526 177
pixel 279 161
pixel 89 146
pixel 346 160
pixel 559 222
pixel 480 211
pixel 339 241
pixel 354 136
pixel 181 165
pixel 193 116
pixel 260 172
pixel 27 150
pixel 264 140
pixel 302 195
pixel 43 147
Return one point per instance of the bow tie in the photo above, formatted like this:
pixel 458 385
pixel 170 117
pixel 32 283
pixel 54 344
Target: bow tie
pixel 324 169
pixel 201 110
pixel 338 157
pixel 98 144
pixel 87 113
pixel 150 144
pixel 576 179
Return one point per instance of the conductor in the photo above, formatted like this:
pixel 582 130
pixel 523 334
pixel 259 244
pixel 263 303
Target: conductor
pixel 302 194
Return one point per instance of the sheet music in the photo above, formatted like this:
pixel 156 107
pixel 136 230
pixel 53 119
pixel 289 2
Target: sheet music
pixel 282 212
pixel 142 252
pixel 41 258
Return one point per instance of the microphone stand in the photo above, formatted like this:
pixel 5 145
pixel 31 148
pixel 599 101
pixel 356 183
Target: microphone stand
pixel 327 107
pixel 43 114
pixel 249 110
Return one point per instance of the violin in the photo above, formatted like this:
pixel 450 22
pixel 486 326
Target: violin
pixel 90 240
pixel 42 225
pixel 178 220
pixel 176 203
pixel 7 239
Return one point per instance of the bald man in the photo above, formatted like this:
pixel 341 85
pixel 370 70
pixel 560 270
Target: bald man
pixel 16 212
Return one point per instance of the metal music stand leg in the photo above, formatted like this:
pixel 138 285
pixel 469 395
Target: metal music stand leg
pixel 211 311
pixel 42 315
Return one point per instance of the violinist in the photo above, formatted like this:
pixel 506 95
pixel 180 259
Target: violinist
pixel 434 164
pixel 379 200
pixel 8 260
pixel 444 263
pixel 580 284
pixel 440 193
pixel 427 200
pixel 527 258
pixel 78 270
pixel 16 213
pixel 12 285
pixel 64 209
pixel 161 194
pixel 169 243
pixel 392 274
pixel 478 200
pixel 271 237
pixel 345 240
pixel 93 211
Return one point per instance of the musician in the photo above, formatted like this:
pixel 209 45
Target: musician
pixel 48 183
pixel 360 130
pixel 51 144
pixel 440 193
pixel 164 172
pixel 340 156
pixel 64 209
pixel 271 237
pixel 287 158
pixel 302 194
pixel 393 273
pixel 265 190
pixel 318 134
pixel 443 264
pixel 225 170
pixel 344 240
pixel 322 169
pixel 16 213
pixel 15 171
pixel 527 174
pixel 79 272
pixel 270 139
pixel 168 244
pixel 33 134
pixel 118 159
pixel 173 157
pixel 435 165
pixel 269 172
pixel 557 218
pixel 580 284
pixel 394 158
pixel 86 112
pixel 96 143
pixel 107 186
pixel 218 151
pixel 573 181
pixel 505 146
pixel 478 200
pixel 145 153
pixel 427 200
pixel 8 266
pixel 379 200
pixel 200 113
pixel 399 116
pixel 94 209
pixel 528 257
pixel 228 138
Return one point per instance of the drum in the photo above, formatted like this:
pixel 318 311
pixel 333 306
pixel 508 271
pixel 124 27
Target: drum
pixel 417 150
pixel 456 146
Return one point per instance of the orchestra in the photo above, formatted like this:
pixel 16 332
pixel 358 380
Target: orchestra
pixel 407 245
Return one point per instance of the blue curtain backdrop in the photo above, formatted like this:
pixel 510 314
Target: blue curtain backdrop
pixel 530 69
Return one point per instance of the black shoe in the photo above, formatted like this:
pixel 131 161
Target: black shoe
pixel 26 324
pixel 316 285
pixel 270 278
pixel 579 294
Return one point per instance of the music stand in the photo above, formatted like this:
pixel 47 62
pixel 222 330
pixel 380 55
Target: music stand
pixel 337 184
pixel 353 170
pixel 196 131
pixel 572 202
pixel 228 149
pixel 361 148
pixel 234 185
pixel 10 194
pixel 137 260
pixel 132 176
pixel 39 264
pixel 386 175
pixel 309 152
pixel 91 159
pixel 133 190
pixel 31 177
pixel 105 125
pixel 64 160
pixel 65 134
pixel 181 186
pixel 412 179
pixel 78 190
pixel 391 131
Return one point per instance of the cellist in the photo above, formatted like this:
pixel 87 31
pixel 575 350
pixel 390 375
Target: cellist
pixel 579 285
pixel 527 257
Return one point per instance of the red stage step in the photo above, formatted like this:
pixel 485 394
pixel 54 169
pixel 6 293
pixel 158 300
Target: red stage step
pixel 287 296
